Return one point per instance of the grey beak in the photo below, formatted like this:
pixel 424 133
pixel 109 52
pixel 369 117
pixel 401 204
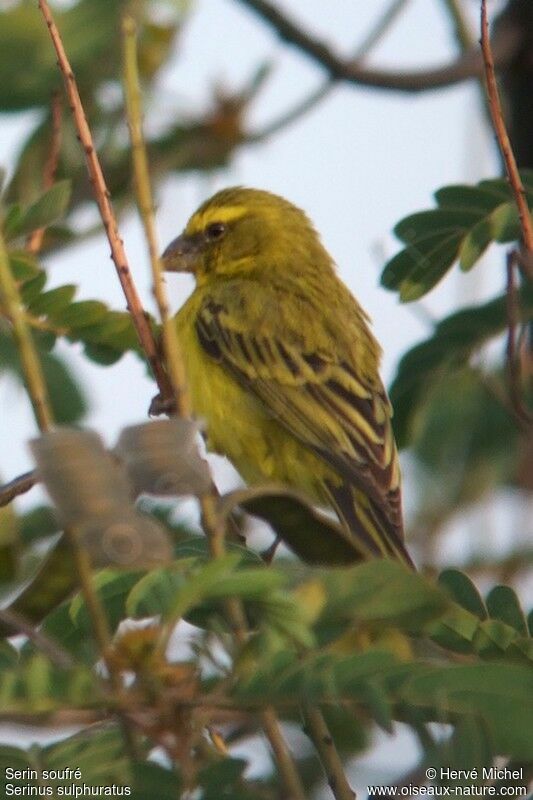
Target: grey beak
pixel 181 254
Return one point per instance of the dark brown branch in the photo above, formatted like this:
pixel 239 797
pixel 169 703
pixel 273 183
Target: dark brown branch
pixel 20 485
pixel 18 624
pixel 469 65
pixel 504 143
pixel 372 38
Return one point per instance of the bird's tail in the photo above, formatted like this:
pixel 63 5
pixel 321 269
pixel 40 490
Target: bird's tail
pixel 376 534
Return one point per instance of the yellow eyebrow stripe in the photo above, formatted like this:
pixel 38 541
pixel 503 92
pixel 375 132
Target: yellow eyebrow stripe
pixel 227 214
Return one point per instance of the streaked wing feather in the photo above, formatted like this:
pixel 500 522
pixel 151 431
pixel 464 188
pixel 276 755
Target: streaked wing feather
pixel 326 404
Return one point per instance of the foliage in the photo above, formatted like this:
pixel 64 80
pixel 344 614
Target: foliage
pixel 372 645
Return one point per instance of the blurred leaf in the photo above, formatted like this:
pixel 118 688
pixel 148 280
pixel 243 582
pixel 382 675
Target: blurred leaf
pixel 470 748
pixel 8 655
pixel 113 587
pixel 53 301
pixel 453 341
pixel 37 686
pixel 66 398
pixel 149 775
pixel 54 580
pixel 502 694
pixel 9 543
pixel 503 604
pixel 382 590
pixel 23 265
pixel 38 523
pixel 222 777
pixel 50 207
pixel 174 592
pixel 312 535
pixel 81 314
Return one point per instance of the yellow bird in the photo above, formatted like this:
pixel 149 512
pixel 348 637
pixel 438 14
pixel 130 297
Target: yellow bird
pixel 282 366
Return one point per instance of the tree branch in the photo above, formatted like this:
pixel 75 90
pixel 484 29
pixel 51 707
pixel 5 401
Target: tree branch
pixel 373 36
pixel 20 485
pixel 101 192
pixel 469 65
pixel 505 144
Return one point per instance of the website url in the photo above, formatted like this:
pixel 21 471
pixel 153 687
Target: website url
pixel 446 791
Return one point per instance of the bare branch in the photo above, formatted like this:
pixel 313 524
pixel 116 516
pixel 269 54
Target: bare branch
pixel 376 33
pixel 469 65
pixel 135 308
pixel 20 485
pixel 505 144
pixel 53 650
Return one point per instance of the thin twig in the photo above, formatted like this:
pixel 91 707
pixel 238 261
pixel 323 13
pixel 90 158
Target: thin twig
pixel 35 240
pixel 513 362
pixel 52 649
pixel 211 521
pixel 463 33
pixel 19 485
pixel 319 734
pixel 469 64
pixel 504 144
pixel 172 349
pixel 102 196
pixel 31 366
pixel 375 35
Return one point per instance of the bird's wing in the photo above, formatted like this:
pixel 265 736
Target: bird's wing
pixel 323 400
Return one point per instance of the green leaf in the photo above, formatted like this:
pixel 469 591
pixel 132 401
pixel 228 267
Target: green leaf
pixel 501 694
pixel 8 656
pixel 503 604
pixel 154 593
pixel 467 220
pixel 23 265
pixel 37 686
pixel 450 346
pixel 470 748
pixel 80 315
pixel 469 197
pixel 98 752
pixel 32 288
pixel 312 535
pixel 147 776
pixel 66 398
pixel 113 587
pixel 463 591
pixel 53 301
pixel 429 268
pixel 50 207
pixel 100 354
pixel 38 523
pixel 426 223
pixel 474 244
pixel 221 778
pixel 385 591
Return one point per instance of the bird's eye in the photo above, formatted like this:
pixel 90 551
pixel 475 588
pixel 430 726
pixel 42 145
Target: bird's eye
pixel 215 231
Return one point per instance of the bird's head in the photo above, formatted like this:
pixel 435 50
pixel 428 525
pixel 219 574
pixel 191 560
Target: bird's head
pixel 244 232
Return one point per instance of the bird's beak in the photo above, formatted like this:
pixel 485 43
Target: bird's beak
pixel 181 255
